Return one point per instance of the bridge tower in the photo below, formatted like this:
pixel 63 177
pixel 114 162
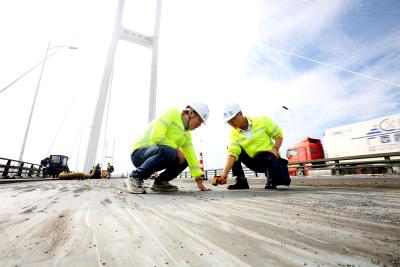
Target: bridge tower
pixel 122 33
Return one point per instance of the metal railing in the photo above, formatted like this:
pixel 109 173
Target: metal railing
pixel 362 164
pixel 388 163
pixel 10 168
pixel 375 163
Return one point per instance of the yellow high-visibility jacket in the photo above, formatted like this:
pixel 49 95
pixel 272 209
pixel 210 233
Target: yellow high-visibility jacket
pixel 168 130
pixel 259 138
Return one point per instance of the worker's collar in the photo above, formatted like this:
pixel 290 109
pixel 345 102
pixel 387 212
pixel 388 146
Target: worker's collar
pixel 247 132
pixel 249 126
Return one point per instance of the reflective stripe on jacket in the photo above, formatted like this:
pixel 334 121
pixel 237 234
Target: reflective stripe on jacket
pixel 259 138
pixel 168 130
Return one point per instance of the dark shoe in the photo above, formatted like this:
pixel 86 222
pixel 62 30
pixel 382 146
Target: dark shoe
pixel 241 183
pixel 134 185
pixel 164 186
pixel 270 185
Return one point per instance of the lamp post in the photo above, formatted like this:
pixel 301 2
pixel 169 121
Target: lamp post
pixel 21 154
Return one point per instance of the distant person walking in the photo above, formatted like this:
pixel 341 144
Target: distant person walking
pixel 167 144
pixel 255 142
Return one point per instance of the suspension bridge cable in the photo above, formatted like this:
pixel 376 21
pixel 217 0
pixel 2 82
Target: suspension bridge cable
pixel 106 123
pixel 79 149
pixel 39 63
pixel 28 71
pixel 59 128
pixel 78 136
pixel 74 143
pixel 338 68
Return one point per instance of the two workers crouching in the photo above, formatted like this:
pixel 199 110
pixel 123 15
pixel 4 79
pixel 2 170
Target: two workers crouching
pixel 166 145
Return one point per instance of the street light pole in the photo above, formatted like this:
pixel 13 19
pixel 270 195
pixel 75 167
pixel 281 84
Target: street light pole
pixel 21 154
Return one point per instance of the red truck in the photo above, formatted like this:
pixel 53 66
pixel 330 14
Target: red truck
pixel 307 149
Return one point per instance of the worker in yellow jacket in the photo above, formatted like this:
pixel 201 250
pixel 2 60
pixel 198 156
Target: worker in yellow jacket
pixel 167 144
pixel 255 142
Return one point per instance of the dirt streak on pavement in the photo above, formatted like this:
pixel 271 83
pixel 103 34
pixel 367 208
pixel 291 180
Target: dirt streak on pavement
pixel 95 222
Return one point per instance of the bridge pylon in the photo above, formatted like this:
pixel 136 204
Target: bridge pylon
pixel 122 33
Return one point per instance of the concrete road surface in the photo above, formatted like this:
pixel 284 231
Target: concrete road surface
pixel 96 223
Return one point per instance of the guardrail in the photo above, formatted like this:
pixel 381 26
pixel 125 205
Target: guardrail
pixel 363 164
pixel 10 168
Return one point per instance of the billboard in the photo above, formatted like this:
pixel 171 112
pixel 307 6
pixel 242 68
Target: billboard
pixel 381 135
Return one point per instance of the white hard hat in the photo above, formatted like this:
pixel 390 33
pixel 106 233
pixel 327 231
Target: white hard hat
pixel 231 110
pixel 200 109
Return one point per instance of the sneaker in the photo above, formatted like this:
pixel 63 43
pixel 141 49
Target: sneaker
pixel 134 185
pixel 164 186
pixel 241 183
pixel 270 185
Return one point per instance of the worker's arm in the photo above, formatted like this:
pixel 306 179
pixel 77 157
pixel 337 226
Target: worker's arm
pixel 187 151
pixel 190 156
pixel 277 146
pixel 275 132
pixel 230 160
pixel 234 150
pixel 181 160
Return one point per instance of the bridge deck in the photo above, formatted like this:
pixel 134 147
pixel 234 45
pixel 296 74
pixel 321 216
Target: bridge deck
pixel 94 222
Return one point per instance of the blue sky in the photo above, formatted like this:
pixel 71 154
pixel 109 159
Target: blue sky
pixel 215 51
pixel 361 36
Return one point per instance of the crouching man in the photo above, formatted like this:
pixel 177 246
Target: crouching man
pixel 167 145
pixel 255 142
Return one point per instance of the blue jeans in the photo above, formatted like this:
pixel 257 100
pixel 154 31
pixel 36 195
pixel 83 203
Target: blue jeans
pixel 275 169
pixel 149 160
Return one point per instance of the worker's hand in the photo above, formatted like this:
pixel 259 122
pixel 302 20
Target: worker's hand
pixel 275 151
pixel 216 180
pixel 224 178
pixel 200 184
